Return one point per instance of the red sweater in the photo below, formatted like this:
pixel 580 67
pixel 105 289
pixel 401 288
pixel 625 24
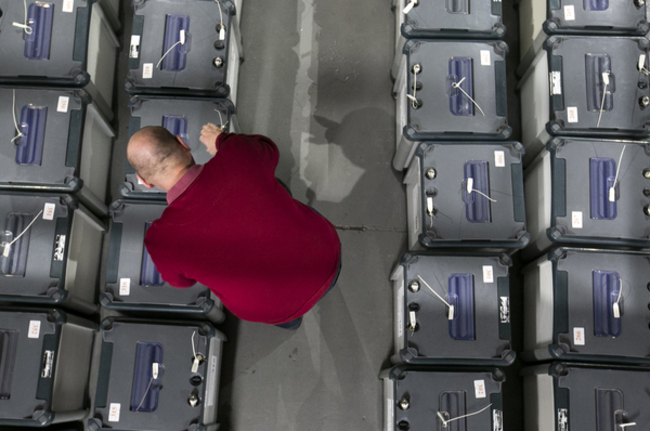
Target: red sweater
pixel 235 229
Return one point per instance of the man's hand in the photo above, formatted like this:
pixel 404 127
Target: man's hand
pixel 209 134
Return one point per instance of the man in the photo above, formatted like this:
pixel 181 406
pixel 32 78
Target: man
pixel 231 226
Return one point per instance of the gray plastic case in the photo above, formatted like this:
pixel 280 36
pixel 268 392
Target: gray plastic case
pixel 176 381
pixel 567 196
pixel 444 113
pixel 60 252
pixel 198 74
pixel 449 224
pixel 562 91
pixel 76 145
pixel 124 264
pixel 539 19
pixel 45 364
pixel 431 340
pixel 413 397
pixel 452 19
pixel 151 111
pixel 78 46
pixel 569 315
pixel 569 397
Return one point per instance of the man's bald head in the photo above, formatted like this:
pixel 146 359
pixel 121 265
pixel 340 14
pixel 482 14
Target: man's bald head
pixel 156 154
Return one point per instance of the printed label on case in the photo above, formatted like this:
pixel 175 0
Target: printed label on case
pixel 488 274
pixel 62 105
pixel 576 219
pixel 555 80
pixel 125 286
pixel 572 114
pixel 114 412
pixel 579 336
pixel 500 159
pixel 34 329
pixel 485 57
pixel 569 13
pixel 147 71
pixel 134 50
pixel 479 388
pixel 48 211
pixel 68 6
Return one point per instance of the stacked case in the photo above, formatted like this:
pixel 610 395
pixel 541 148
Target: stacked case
pixel 56 88
pixel 56 82
pixel 586 123
pixel 465 212
pixel 184 60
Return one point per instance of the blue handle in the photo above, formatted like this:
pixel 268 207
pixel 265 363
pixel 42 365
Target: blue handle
pixel 177 58
pixel 607 285
pixel 477 206
pixel 177 126
pixel 459 104
pixel 16 263
pixel 29 150
pixel 39 18
pixel 149 275
pixel 596 5
pixel 144 396
pixel 602 172
pixel 461 296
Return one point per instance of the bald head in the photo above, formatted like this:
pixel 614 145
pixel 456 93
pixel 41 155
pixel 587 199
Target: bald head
pixel 157 155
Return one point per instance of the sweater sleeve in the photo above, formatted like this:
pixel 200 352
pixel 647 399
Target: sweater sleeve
pixel 165 268
pixel 258 145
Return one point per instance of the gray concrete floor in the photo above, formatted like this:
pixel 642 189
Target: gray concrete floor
pixel 316 80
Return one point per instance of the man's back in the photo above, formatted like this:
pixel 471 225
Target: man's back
pixel 236 230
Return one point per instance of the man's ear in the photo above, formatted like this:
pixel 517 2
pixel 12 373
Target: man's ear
pixel 183 144
pixel 146 184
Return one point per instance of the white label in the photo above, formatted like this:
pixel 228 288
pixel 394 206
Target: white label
pixel 569 13
pixel 34 329
pixel 500 159
pixel 572 114
pixel 400 312
pixel 579 336
pixel 114 412
pixel 147 71
pixel 210 388
pixel 479 388
pixel 555 79
pixel 134 51
pixel 488 274
pixel 48 211
pixel 497 420
pixel 125 286
pixel 62 105
pixel 485 57
pixel 576 219
pixel 68 6
pixel 59 249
